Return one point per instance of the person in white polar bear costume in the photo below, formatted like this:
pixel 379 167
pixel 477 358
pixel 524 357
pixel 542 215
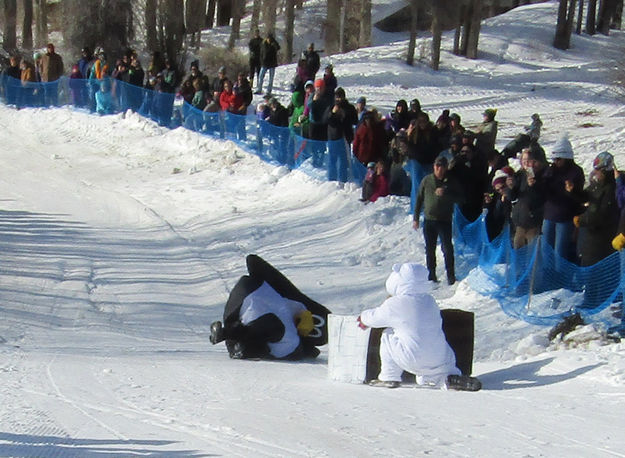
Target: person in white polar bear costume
pixel 413 340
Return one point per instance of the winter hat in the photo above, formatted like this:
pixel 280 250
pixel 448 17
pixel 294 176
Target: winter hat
pixel 455 116
pixel 222 69
pixel 339 92
pixel 408 280
pixel 604 161
pixel 415 105
pixel 563 149
pixel 329 67
pixel 442 161
pixel 309 83
pixel 490 112
pixel 362 100
pixel 535 116
pixel 500 177
pixel 319 84
pixel 371 165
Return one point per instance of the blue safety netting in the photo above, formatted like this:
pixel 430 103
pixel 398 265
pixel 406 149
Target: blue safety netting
pixel 331 160
pixel 532 283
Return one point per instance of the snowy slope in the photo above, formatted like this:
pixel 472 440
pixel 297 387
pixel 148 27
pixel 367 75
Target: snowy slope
pixel 112 268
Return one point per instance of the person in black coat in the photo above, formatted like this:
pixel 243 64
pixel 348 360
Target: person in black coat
pixel 254 48
pixel 340 118
pixel 313 62
pixel 268 61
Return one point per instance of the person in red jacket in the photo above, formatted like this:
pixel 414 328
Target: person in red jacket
pixel 369 141
pixel 229 100
pixel 376 183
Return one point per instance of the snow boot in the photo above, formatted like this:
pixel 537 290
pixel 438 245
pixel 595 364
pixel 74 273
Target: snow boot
pixel 463 383
pixel 384 383
pixel 217 332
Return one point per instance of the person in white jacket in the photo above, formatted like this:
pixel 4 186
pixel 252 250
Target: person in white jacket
pixel 413 340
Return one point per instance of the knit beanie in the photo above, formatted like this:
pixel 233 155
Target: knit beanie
pixel 563 149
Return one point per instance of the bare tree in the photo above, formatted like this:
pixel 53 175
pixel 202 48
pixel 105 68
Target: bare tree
pixel 460 12
pixel 224 12
pixel 9 41
pixel 194 11
pixel 607 12
pixel 580 15
pixel 210 13
pixel 41 23
pixel 412 42
pixel 151 40
pixel 255 16
pixel 172 28
pixel 472 25
pixel 269 15
pixel 438 9
pixel 27 27
pixel 288 32
pixel 352 16
pixel 238 9
pixel 365 24
pixel 591 17
pixel 562 39
pixel 333 22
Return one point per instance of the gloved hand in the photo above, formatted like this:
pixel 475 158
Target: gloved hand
pixel 305 323
pixel 618 243
pixel 576 220
pixel 361 325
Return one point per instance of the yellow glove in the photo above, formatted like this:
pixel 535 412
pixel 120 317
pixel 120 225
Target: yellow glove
pixel 305 323
pixel 576 220
pixel 618 243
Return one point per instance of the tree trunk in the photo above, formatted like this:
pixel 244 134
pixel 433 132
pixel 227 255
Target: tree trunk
pixel 289 17
pixel 333 18
pixel 466 28
pixel 580 16
pixel 9 41
pixel 474 32
pixel 618 15
pixel 151 39
pixel 194 12
pixel 238 7
pixel 560 40
pixel 224 12
pixel 269 15
pixel 458 31
pixel 27 28
pixel 412 43
pixel 607 11
pixel 255 16
pixel 437 33
pixel 174 29
pixel 351 24
pixel 591 15
pixel 210 14
pixel 41 23
pixel 569 20
pixel 365 24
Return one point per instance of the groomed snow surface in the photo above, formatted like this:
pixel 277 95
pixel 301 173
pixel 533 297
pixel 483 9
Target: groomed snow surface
pixel 112 268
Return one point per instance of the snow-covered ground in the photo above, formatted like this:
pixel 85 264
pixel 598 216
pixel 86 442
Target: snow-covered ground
pixel 112 268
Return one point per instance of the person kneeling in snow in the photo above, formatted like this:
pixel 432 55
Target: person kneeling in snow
pixel 413 340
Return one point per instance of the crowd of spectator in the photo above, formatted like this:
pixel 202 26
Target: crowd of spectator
pixel 439 164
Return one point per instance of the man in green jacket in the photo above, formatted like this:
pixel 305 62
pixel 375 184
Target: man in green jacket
pixel 438 193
